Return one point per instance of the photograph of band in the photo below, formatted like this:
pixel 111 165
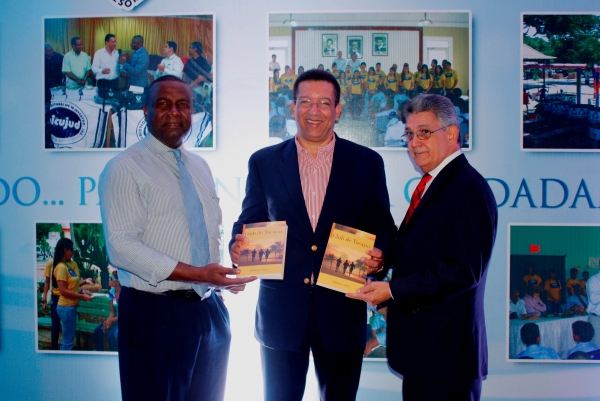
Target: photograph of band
pixel 97 71
pixel 381 61
pixel 554 293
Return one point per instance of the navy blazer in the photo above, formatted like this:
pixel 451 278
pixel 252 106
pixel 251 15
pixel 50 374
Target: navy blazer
pixel 356 196
pixel 436 324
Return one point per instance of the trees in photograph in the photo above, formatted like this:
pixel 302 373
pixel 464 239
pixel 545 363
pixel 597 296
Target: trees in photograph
pixel 570 38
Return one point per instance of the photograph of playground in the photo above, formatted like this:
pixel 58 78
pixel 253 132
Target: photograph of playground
pixel 560 82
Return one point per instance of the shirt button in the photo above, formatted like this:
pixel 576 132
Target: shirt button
pixel 306 281
pixel 313 248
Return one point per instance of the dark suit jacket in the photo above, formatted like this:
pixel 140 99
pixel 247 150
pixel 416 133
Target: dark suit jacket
pixel 356 196
pixel 137 68
pixel 436 326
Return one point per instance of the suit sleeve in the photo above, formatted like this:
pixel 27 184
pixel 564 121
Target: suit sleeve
pixel 141 64
pixel 468 228
pixel 254 206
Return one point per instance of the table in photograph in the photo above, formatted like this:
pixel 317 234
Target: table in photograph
pixel 555 332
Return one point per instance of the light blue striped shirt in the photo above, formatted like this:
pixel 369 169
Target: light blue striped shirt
pixel 144 218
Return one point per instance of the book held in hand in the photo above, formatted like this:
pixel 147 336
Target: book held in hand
pixel 263 255
pixel 342 269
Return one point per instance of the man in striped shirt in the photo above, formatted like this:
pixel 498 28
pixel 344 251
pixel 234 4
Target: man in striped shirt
pixel 173 341
pixel 312 182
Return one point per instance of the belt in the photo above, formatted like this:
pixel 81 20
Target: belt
pixel 186 295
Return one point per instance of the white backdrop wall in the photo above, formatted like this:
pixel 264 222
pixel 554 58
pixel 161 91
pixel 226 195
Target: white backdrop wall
pixel 29 176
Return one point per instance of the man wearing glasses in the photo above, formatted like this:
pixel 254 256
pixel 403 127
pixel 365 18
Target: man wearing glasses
pixel 436 333
pixel 308 182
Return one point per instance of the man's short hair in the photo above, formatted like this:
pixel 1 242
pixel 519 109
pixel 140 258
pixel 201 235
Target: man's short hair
pixel 198 47
pixel 108 36
pixel 164 78
pixel 140 38
pixel 377 64
pixel 574 270
pixel 74 40
pixel 584 330
pixel 47 45
pixel 441 106
pixel 273 55
pixel 318 75
pixel 172 45
pixel 363 63
pixel 530 333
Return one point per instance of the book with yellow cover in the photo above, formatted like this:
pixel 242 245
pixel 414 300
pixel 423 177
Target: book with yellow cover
pixel 264 254
pixel 342 269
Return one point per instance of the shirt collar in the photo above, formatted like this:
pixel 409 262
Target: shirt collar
pixel 444 163
pixel 325 151
pixel 156 146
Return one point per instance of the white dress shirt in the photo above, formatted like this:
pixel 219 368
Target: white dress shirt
pixel 593 292
pixel 173 66
pixel 144 217
pixel 102 60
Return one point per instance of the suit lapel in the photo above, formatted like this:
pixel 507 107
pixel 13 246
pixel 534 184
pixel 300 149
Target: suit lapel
pixel 290 174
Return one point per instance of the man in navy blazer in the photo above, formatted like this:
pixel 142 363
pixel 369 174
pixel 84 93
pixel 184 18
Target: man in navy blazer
pixel 436 335
pixel 293 315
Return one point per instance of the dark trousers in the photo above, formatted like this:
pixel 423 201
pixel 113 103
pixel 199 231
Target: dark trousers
pixel 55 330
pixel 172 348
pixel 284 372
pixel 426 390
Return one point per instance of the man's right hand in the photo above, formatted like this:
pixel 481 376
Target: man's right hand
pixel 212 275
pixel 215 276
pixel 106 71
pixel 236 248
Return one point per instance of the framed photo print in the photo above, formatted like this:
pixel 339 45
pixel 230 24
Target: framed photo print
pixel 355 45
pixel 339 42
pixel 95 104
pixel 330 47
pixel 380 44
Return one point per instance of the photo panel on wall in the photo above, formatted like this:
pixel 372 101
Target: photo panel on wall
pixel 553 293
pixel 561 77
pixel 381 60
pixel 98 70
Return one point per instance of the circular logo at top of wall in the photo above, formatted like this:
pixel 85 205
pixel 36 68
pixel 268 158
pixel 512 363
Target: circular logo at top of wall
pixel 68 123
pixel 125 4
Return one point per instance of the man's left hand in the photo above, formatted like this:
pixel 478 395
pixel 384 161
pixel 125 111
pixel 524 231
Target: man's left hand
pixel 373 293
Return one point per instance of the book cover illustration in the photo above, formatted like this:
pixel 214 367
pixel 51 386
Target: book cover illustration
pixel 264 254
pixel 342 269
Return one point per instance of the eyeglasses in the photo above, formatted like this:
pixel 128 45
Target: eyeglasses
pixel 308 104
pixel 422 134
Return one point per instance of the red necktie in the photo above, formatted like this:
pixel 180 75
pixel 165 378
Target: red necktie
pixel 417 195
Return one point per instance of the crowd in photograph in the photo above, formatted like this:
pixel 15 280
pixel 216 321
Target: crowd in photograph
pixel 121 77
pixel 544 299
pixel 368 94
